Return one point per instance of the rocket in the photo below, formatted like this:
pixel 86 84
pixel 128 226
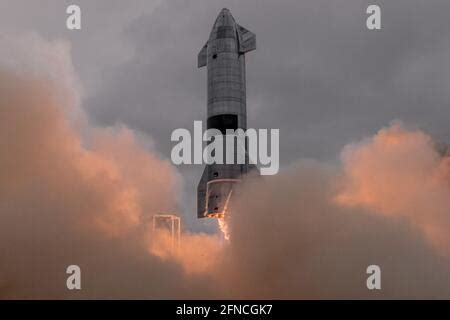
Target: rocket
pixel 224 57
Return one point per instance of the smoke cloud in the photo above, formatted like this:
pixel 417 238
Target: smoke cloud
pixel 319 228
pixel 71 193
pixel 312 230
pixel 400 173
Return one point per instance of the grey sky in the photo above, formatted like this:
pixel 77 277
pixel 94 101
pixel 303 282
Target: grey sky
pixel 318 74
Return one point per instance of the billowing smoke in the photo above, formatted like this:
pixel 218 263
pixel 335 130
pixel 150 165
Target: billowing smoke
pixel 74 194
pixel 311 231
pixel 399 173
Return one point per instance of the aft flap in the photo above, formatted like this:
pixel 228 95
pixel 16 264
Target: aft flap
pixel 201 194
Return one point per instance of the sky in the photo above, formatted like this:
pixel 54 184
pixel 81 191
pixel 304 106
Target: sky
pixel 318 74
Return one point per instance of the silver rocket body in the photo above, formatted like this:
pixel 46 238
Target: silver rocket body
pixel 224 56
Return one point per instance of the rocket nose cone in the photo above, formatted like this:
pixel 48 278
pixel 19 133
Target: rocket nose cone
pixel 224 26
pixel 224 19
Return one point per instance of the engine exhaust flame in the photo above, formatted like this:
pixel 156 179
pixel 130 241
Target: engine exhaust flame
pixel 224 228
